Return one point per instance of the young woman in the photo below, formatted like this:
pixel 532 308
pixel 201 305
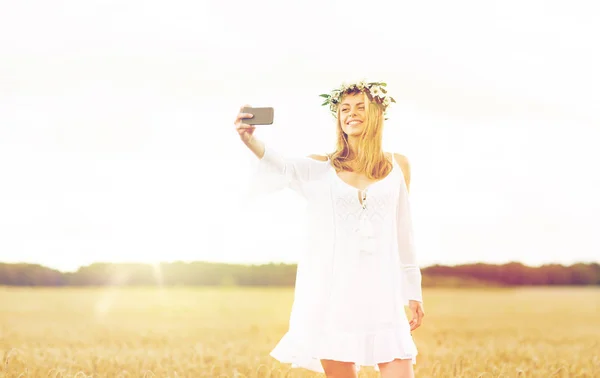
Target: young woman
pixel 360 268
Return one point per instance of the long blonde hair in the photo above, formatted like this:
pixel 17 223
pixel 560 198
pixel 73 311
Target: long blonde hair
pixel 369 158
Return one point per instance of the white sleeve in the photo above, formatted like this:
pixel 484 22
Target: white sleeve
pixel 275 172
pixel 406 247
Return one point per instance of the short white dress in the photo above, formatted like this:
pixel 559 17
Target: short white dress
pixel 358 271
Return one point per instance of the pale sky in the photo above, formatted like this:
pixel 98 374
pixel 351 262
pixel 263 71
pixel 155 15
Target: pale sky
pixel 117 140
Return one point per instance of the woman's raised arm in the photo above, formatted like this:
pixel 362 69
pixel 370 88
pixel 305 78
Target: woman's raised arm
pixel 275 171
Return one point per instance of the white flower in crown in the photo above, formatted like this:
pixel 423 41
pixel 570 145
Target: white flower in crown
pixel 361 85
pixel 376 91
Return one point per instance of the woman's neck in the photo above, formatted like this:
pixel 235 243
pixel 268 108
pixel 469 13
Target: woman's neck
pixel 353 145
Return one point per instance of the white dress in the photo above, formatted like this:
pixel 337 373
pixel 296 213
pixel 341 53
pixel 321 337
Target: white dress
pixel 358 271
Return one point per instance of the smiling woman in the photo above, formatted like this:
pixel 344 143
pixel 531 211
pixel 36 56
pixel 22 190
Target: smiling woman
pixel 359 268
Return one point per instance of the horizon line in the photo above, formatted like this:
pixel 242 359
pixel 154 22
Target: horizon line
pixel 424 266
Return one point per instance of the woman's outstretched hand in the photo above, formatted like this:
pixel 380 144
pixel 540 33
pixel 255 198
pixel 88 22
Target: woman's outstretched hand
pixel 244 130
pixel 416 308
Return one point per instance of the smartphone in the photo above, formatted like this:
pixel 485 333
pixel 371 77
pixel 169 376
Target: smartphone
pixel 262 116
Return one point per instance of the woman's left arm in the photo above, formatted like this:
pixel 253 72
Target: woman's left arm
pixel 406 247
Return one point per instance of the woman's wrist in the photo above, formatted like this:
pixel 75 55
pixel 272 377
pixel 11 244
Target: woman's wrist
pixel 257 147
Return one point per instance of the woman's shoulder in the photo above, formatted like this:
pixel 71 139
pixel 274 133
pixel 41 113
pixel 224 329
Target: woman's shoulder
pixel 404 165
pixel 318 157
pixel 402 160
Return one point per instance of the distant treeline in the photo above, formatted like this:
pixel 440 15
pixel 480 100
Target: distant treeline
pixel 221 274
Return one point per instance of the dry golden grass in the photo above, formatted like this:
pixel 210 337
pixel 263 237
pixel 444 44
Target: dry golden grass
pixel 229 332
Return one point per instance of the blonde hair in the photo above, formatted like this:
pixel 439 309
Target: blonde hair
pixel 369 158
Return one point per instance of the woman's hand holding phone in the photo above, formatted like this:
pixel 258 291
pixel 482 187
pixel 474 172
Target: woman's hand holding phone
pixel 246 133
pixel 244 130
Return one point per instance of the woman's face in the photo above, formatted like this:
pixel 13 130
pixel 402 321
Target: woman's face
pixel 352 114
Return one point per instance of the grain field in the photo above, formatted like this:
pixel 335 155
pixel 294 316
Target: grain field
pixel 228 332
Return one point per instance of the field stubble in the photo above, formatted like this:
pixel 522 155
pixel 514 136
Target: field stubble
pixel 229 332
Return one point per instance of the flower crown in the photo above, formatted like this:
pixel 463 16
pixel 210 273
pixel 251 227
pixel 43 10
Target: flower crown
pixel 375 91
